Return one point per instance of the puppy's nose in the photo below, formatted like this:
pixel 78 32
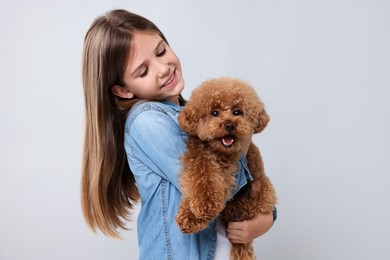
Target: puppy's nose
pixel 229 127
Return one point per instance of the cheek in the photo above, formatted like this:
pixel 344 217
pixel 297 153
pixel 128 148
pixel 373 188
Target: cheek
pixel 143 86
pixel 208 129
pixel 244 126
pixel 174 59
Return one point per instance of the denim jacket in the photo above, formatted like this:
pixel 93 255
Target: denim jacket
pixel 154 143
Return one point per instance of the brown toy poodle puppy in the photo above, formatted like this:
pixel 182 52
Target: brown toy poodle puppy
pixel 219 116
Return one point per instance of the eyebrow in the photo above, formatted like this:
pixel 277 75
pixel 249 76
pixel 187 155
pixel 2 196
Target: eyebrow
pixel 143 63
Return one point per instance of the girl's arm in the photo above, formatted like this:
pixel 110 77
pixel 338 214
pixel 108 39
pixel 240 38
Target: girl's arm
pixel 157 140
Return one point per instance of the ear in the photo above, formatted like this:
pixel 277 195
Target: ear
pixel 122 92
pixel 261 122
pixel 188 120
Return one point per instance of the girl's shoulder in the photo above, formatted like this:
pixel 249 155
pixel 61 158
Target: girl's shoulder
pixel 150 113
pixel 161 106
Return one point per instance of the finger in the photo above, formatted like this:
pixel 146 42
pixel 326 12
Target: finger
pixel 235 232
pixel 236 240
pixel 234 226
pixel 234 236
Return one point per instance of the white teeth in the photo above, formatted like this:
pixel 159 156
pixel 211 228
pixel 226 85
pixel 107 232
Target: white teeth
pixel 170 80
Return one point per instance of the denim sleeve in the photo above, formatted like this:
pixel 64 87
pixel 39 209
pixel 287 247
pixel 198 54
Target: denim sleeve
pixel 158 142
pixel 242 175
pixel 275 213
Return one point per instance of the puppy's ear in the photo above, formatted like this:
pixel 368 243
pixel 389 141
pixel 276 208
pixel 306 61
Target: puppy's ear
pixel 262 120
pixel 188 120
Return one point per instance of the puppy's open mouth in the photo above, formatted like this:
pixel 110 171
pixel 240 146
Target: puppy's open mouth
pixel 227 141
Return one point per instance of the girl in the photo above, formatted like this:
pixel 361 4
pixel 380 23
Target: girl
pixel 132 85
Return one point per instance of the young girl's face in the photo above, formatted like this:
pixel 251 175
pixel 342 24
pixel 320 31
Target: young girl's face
pixel 153 71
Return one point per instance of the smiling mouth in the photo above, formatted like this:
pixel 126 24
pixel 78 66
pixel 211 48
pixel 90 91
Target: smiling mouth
pixel 170 80
pixel 227 141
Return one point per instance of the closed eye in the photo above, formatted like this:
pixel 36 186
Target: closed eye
pixel 161 48
pixel 144 73
pixel 161 53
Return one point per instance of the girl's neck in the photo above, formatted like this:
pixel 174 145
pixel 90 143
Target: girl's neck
pixel 174 100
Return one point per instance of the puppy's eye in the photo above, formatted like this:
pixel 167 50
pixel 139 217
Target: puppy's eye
pixel 237 112
pixel 215 113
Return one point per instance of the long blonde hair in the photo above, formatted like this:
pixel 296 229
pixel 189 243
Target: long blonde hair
pixel 108 187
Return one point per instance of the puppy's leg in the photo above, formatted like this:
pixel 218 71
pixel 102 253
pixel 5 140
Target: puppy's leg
pixel 262 190
pixel 257 197
pixel 242 252
pixel 206 186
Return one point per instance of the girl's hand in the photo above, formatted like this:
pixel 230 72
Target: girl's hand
pixel 246 231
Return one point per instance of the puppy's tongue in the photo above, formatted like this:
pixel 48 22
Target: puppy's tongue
pixel 227 141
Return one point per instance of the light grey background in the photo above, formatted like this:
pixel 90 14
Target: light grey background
pixel 321 67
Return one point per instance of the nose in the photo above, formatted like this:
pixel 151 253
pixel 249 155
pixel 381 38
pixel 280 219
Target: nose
pixel 163 69
pixel 229 127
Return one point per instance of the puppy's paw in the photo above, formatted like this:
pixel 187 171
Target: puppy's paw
pixel 188 223
pixel 207 209
pixel 194 226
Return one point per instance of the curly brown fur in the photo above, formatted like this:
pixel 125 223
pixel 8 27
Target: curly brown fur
pixel 219 116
